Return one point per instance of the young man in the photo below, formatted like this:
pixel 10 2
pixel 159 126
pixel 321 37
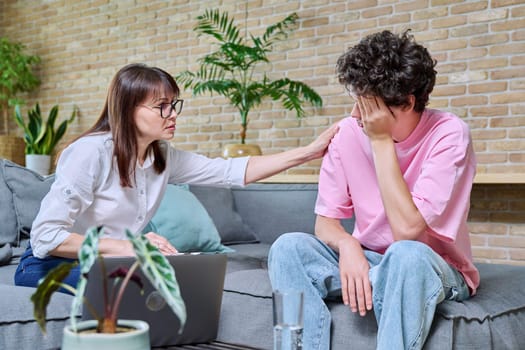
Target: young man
pixel 406 172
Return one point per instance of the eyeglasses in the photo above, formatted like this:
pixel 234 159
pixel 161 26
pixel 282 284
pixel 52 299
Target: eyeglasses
pixel 167 108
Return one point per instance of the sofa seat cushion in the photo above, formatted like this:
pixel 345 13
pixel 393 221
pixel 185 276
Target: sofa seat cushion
pixel 248 257
pixel 501 291
pixel 7 272
pixel 492 319
pixel 17 325
pixel 246 310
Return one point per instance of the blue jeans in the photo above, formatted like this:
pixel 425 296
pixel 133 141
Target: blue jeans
pixel 408 282
pixel 31 269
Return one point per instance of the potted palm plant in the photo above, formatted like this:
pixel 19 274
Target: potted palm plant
pixel 91 334
pixel 41 137
pixel 232 70
pixel 16 76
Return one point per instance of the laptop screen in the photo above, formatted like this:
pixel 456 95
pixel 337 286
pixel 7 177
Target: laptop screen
pixel 201 281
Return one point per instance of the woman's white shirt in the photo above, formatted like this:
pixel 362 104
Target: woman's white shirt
pixel 87 190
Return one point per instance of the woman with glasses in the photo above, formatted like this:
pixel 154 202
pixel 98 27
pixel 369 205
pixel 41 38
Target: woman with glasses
pixel 116 172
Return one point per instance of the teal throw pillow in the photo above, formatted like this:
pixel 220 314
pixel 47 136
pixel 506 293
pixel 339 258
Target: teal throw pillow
pixel 184 221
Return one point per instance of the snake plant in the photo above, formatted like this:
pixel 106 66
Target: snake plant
pixel 152 262
pixel 41 137
pixel 234 69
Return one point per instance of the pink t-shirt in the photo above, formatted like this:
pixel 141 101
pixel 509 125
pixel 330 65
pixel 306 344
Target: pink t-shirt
pixel 438 164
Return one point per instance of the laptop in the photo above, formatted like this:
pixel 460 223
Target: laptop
pixel 201 281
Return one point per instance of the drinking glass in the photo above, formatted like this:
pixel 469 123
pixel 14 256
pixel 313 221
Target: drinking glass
pixel 287 320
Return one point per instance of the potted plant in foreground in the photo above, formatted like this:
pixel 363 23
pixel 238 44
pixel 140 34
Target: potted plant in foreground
pixel 16 76
pixel 41 137
pixel 230 70
pixel 155 267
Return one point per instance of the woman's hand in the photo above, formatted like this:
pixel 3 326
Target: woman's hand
pixel 260 167
pixel 318 147
pixel 163 245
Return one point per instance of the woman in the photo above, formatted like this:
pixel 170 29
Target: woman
pixel 116 172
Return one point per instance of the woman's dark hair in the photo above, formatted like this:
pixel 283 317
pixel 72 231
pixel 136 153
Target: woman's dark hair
pixel 390 66
pixel 131 86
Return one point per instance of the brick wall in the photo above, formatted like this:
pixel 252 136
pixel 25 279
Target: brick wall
pixel 479 45
pixel 496 222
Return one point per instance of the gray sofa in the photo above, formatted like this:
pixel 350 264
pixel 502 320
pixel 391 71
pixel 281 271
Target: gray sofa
pixel 249 220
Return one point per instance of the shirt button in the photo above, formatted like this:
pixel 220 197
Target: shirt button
pixel 140 218
pixel 141 192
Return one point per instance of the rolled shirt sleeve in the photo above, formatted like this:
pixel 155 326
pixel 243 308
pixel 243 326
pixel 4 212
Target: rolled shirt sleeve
pixel 70 195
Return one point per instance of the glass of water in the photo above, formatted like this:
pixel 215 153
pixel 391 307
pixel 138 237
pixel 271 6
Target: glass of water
pixel 287 320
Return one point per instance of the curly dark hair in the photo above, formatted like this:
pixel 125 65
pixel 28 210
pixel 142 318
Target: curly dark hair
pixel 390 66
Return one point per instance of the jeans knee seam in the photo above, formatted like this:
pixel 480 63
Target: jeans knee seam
pixel 418 336
pixel 319 333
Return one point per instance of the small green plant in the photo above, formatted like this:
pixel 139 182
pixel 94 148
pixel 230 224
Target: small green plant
pixel 230 70
pixel 152 262
pixel 42 137
pixel 16 75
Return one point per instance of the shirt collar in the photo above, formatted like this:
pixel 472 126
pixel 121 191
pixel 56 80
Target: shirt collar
pixel 148 162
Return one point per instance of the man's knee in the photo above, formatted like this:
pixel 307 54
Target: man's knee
pixel 292 246
pixel 289 244
pixel 408 252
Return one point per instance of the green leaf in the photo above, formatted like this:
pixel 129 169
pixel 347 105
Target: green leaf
pixel 45 289
pixel 280 30
pixel 160 273
pixel 87 255
pixel 20 120
pixel 16 74
pixel 42 137
pixel 218 25
pixel 52 117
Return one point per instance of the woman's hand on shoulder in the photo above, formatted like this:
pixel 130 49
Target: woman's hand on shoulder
pixel 318 147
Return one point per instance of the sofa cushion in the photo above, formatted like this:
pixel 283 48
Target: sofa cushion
pixel 28 189
pixel 494 316
pixel 249 256
pixel 8 231
pixel 220 205
pixel 492 319
pixel 183 220
pixel 247 303
pixel 17 324
pixel 287 208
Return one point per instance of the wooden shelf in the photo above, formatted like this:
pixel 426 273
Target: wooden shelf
pixel 481 178
pixel 288 179
pixel 499 178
